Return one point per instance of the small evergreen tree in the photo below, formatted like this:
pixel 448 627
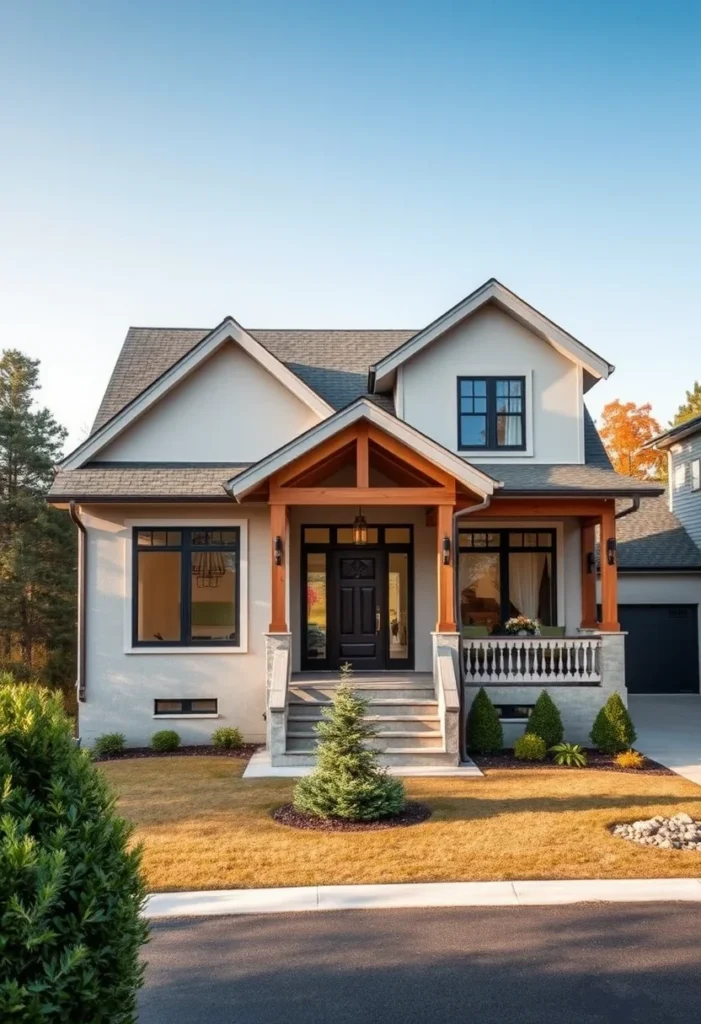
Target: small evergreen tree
pixel 484 732
pixel 71 892
pixel 545 721
pixel 613 730
pixel 348 781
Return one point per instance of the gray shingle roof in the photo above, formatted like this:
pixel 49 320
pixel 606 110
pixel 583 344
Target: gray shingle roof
pixel 129 481
pixel 333 363
pixel 654 538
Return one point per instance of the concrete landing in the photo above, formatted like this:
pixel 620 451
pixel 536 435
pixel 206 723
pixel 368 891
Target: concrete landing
pixel 259 767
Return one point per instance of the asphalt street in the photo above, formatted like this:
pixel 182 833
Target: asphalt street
pixel 586 964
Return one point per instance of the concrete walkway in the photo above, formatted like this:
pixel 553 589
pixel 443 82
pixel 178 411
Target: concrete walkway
pixel 669 731
pixel 423 894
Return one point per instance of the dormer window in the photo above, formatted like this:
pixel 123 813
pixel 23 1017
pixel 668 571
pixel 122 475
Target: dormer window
pixel 491 413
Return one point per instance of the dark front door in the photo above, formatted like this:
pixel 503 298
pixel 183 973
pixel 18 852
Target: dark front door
pixel 662 647
pixel 357 631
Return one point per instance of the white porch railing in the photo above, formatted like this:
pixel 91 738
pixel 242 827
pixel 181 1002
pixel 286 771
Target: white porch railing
pixel 533 660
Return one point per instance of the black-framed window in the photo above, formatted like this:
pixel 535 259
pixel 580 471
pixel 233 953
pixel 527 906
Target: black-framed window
pixel 186 587
pixel 190 706
pixel 491 413
pixel 514 712
pixel 503 573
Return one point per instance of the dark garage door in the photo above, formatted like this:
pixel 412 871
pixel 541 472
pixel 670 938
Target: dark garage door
pixel 662 647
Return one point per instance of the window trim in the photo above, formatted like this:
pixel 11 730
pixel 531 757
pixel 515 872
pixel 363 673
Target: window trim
pixel 695 476
pixel 184 523
pixel 185 712
pixel 491 444
pixel 504 549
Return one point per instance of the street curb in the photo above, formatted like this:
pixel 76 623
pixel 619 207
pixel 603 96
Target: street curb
pixel 421 894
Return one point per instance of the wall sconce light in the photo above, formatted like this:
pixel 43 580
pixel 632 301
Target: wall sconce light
pixel 446 551
pixel 278 551
pixel 611 551
pixel 590 562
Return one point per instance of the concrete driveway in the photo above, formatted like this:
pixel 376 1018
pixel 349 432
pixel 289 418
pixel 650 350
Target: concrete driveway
pixel 669 730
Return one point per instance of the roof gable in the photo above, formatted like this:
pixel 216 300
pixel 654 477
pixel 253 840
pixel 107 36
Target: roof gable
pixel 381 375
pixel 228 331
pixel 473 478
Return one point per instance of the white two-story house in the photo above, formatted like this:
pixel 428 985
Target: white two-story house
pixel 258 507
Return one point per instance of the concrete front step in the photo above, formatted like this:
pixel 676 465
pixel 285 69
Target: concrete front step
pixel 377 705
pixel 407 757
pixel 385 741
pixel 386 723
pixel 376 691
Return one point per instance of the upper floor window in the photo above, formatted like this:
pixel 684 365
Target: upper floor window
pixel 696 475
pixel 491 413
pixel 679 476
pixel 186 587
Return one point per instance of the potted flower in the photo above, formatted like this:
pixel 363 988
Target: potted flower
pixel 521 625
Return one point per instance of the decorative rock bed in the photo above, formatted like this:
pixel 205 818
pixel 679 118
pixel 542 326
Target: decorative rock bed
pixel 678 833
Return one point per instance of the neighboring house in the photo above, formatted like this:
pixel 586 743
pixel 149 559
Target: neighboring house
pixel 659 551
pixel 258 507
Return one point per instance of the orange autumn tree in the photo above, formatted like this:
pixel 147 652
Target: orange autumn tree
pixel 625 427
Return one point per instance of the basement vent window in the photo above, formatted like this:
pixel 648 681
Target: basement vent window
pixel 514 712
pixel 185 707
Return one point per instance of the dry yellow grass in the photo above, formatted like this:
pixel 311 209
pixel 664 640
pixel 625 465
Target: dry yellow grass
pixel 204 827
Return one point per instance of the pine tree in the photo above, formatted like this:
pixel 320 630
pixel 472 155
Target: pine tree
pixel 37 543
pixel 484 732
pixel 546 721
pixel 348 781
pixel 692 407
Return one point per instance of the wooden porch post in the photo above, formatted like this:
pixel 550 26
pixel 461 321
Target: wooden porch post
pixel 446 609
pixel 588 542
pixel 609 573
pixel 278 529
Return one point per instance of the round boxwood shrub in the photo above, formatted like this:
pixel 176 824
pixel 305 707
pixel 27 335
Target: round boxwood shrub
pixel 71 892
pixel 165 741
pixel 484 732
pixel 227 738
pixel 545 721
pixel 110 744
pixel 530 747
pixel 613 730
pixel 348 781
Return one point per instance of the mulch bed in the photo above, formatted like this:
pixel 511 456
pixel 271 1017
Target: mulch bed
pixel 413 814
pixel 244 752
pixel 596 761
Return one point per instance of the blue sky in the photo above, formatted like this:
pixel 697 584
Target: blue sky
pixel 349 165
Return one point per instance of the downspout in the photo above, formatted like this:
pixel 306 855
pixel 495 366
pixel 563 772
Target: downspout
pixel 82 577
pixel 627 511
pixel 461 514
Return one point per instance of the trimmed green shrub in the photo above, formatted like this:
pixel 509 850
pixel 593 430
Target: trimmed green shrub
pixel 545 720
pixel 484 732
pixel 348 782
pixel 613 730
pixel 570 755
pixel 71 892
pixel 110 744
pixel 227 738
pixel 530 747
pixel 165 741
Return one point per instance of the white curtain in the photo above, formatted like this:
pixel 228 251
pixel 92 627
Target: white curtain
pixel 513 430
pixel 525 577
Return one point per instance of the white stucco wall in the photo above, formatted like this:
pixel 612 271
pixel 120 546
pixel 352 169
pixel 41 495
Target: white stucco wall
pixel 121 687
pixel 229 409
pixel 491 343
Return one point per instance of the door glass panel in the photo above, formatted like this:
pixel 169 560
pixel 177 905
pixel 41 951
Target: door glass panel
pixel 316 606
pixel 213 595
pixel 478 575
pixel 531 586
pixel 344 535
pixel 317 534
pixel 398 591
pixel 397 535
